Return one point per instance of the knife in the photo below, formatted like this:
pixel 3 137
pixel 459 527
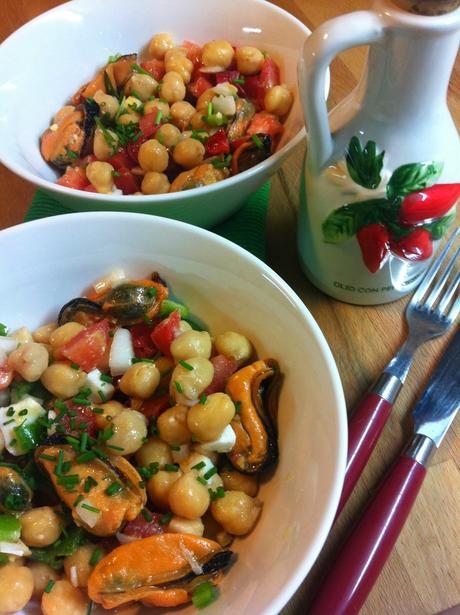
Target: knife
pixel 365 552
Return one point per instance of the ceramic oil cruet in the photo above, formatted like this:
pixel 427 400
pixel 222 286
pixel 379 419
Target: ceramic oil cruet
pixel 380 178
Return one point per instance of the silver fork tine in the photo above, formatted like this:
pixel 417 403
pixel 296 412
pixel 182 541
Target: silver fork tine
pixel 455 310
pixel 447 298
pixel 442 280
pixel 433 270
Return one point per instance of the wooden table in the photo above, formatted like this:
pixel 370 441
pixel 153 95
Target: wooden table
pixel 422 574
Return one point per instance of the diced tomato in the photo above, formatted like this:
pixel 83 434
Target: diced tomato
pixel 83 421
pixel 6 376
pixel 165 331
pixel 253 89
pixel 140 527
pixel 269 75
pixel 121 160
pixel 217 143
pixel 155 67
pixel 142 342
pixel 265 123
pixel 126 181
pixel 194 52
pixel 86 160
pixel 88 347
pixel 154 407
pixel 133 148
pixel 90 188
pixel 74 177
pixel 223 369
pixel 147 124
pixel 200 85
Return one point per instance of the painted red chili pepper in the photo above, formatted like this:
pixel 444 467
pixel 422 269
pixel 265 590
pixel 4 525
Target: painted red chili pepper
pixel 217 144
pixel 429 203
pixel 374 241
pixel 417 246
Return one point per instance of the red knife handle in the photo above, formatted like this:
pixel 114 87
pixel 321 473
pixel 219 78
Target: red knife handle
pixel 363 556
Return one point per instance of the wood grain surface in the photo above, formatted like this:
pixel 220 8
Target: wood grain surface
pixel 422 574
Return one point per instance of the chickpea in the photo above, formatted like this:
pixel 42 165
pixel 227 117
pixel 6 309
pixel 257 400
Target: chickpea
pixel 62 335
pixel 153 156
pixel 108 104
pixel 80 561
pixel 164 365
pixel 189 153
pixel 40 527
pixel 101 148
pixel 203 100
pixel 234 346
pixel 172 425
pixel 143 85
pixel 64 599
pixel 173 88
pixel 181 113
pixel 212 455
pixel 189 498
pixel 23 335
pixel 155 183
pixel 191 383
pixel 197 459
pixel 249 60
pixel 159 487
pixel 185 326
pixel 100 174
pixel 197 122
pixel 176 61
pixel 29 361
pixel 140 380
pixel 129 431
pixel 236 512
pixel 236 481
pixel 179 525
pixel 191 344
pixel 42 574
pixel 62 380
pixel 156 105
pixel 16 588
pixel 169 135
pixel 132 104
pixel 207 421
pixel 278 100
pixel 154 451
pixel 111 409
pixel 129 118
pixel 218 53
pixel 160 44
pixel 42 334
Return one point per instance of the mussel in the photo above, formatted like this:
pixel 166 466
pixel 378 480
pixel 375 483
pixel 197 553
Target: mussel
pixel 80 310
pixel 245 111
pixel 132 302
pixel 255 389
pixel 160 570
pixel 202 175
pixel 15 493
pixel 101 493
pixel 109 80
pixel 250 153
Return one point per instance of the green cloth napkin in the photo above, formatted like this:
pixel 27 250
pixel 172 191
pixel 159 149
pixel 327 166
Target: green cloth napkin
pixel 246 228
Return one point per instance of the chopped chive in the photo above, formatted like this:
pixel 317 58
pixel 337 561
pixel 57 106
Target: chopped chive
pixel 207 475
pixel 96 556
pixel 78 500
pixel 148 321
pixel 141 360
pixel 218 493
pixel 49 586
pixel 100 453
pixel 86 456
pixel 23 412
pixel 171 467
pixel 157 121
pixel 114 488
pixel 85 391
pixel 199 466
pixel 239 81
pixel 138 69
pixel 174 447
pixel 186 365
pixel 48 457
pixel 74 366
pixel 165 519
pixel 84 441
pixel 72 154
pixel 69 480
pixel 60 461
pixel 98 410
pixel 73 424
pixel 81 401
pixel 237 407
pixel 82 425
pixel 178 386
pixel 60 405
pixel 209 108
pixel 106 378
pixel 101 395
pixel 66 467
pixel 152 291
pixel 201 480
pixel 203 399
pixel 90 508
pixel 106 433
pixel 204 594
pixel 257 141
pixel 72 413
pixel 147 516
pixel 115 448
pixel 89 484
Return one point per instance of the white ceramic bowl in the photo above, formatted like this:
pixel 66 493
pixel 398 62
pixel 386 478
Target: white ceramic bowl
pixel 46 61
pixel 53 260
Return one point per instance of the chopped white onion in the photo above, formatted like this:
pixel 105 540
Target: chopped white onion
pixel 224 104
pixel 7 344
pixel 89 517
pixel 74 576
pixel 188 402
pixel 15 548
pixel 98 386
pixel 211 69
pixel 124 539
pixel 121 352
pixel 111 280
pixel 192 560
pixel 223 444
pixel 225 89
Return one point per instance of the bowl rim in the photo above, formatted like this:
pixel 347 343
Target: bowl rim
pixel 101 218
pixel 152 198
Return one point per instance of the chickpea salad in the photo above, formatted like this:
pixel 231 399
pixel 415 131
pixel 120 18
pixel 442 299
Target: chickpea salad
pixel 186 117
pixel 132 445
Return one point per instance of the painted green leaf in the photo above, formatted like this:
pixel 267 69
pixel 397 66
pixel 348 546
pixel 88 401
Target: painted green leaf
pixel 412 177
pixel 439 228
pixel 364 164
pixel 345 221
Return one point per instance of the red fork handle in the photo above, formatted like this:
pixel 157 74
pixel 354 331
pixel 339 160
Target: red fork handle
pixel 363 556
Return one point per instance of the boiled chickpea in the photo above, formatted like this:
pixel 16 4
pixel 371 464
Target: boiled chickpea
pixel 176 61
pixel 234 346
pixel 153 156
pixel 189 153
pixel 156 105
pixel 140 380
pixel 79 560
pixel 155 183
pixel 236 481
pixel 191 344
pixel 236 512
pixel 172 425
pixel 159 487
pixel 197 459
pixel 16 588
pixel 143 85
pixel 164 365
pixel 64 599
pixel 102 149
pixel 129 431
pixel 29 361
pixel 197 122
pixel 63 334
pixel 179 525
pixel 212 455
pixel 249 60
pixel 189 384
pixel 40 527
pixel 185 326
pixel 23 335
pixel 218 53
pixel 62 380
pixel 189 498
pixel 42 574
pixel 208 420
pixel 278 100
pixel 129 118
pixel 111 409
pixel 154 451
pixel 132 104
pixel 100 174
pixel 160 44
pixel 108 104
pixel 204 99
pixel 181 113
pixel 168 135
pixel 42 334
pixel 173 88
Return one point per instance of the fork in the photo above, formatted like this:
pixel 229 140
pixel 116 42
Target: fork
pixel 425 321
